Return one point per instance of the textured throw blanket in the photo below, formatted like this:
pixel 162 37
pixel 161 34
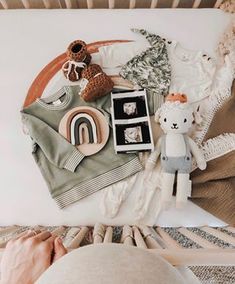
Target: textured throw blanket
pixel 214 189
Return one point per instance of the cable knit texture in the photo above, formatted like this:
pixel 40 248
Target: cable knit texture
pixel 99 84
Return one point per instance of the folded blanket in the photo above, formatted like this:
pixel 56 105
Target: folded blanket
pixel 214 189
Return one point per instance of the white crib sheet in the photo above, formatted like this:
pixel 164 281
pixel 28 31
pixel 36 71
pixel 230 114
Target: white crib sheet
pixel 31 39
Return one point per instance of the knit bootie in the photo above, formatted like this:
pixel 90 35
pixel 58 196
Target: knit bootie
pixel 78 59
pixel 98 84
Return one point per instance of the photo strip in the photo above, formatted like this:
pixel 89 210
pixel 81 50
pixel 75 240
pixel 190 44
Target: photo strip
pixel 131 121
pixel 130 107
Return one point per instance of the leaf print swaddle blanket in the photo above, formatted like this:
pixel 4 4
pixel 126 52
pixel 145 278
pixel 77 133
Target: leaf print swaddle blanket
pixel 150 70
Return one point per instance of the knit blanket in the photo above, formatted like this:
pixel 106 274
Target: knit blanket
pixel 214 189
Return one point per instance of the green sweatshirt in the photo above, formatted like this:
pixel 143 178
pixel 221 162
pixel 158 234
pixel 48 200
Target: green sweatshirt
pixel 69 175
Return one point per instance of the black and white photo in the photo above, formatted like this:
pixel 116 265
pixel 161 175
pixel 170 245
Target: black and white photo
pixel 131 122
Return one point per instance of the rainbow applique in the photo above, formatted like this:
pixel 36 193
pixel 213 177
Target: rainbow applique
pixel 86 128
pixel 82 125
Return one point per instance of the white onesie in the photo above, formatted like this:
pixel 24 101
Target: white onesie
pixel 192 72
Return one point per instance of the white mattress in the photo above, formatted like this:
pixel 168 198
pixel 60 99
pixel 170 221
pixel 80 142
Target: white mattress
pixel 30 40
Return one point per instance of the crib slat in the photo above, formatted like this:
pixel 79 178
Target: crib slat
pixel 127 236
pixel 148 237
pixel 78 238
pixel 58 231
pixel 98 233
pixel 167 239
pixel 197 239
pixel 154 4
pixel 47 4
pixel 151 243
pixel 157 237
pixel 26 4
pixel 175 3
pixel 72 233
pixel 218 3
pixel 140 243
pixel 111 4
pixel 198 257
pixel 90 4
pixel 132 4
pixel 98 239
pixel 68 4
pixel 220 235
pixel 196 3
pixel 108 235
pixel 59 4
pixel 128 241
pixel 4 4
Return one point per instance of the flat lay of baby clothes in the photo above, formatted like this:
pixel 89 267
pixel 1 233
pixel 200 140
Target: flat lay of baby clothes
pixel 70 174
pixel 150 70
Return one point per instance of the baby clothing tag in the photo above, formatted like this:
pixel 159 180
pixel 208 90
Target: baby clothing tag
pixel 83 82
pixel 56 103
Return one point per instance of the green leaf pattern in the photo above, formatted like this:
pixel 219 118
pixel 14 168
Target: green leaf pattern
pixel 151 68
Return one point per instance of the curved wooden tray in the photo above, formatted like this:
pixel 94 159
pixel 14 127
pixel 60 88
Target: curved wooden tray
pixel 41 81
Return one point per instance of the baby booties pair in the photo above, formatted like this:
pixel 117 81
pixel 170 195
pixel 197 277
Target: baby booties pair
pixel 78 67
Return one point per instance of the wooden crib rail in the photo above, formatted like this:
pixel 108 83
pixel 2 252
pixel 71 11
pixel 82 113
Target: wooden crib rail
pixel 204 246
pixel 111 4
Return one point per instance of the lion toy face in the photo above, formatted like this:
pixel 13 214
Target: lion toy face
pixel 175 115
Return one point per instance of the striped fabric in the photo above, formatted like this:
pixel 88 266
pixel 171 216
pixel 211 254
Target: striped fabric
pixel 47 101
pixel 97 183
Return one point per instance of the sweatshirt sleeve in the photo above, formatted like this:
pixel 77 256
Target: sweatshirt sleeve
pixel 56 148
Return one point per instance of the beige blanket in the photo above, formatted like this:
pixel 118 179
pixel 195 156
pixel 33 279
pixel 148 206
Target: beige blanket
pixel 214 189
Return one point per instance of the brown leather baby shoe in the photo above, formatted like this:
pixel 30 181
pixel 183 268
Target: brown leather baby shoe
pixel 78 59
pixel 99 84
